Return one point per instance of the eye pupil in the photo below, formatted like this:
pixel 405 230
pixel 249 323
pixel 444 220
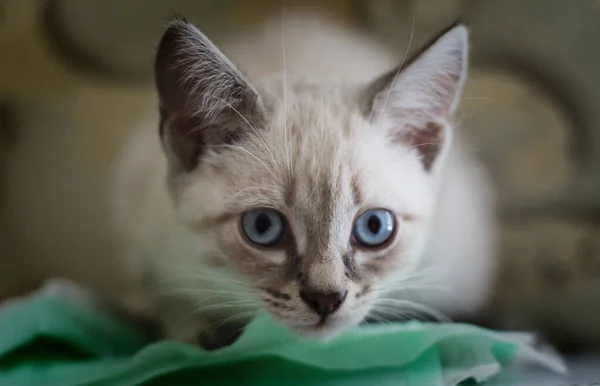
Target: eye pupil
pixel 265 227
pixel 374 224
pixel 374 228
pixel 262 223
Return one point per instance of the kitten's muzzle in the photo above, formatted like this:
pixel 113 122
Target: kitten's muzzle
pixel 324 304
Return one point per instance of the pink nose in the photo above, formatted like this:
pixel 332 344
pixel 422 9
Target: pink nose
pixel 323 304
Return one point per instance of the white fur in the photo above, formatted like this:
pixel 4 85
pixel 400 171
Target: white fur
pixel 152 228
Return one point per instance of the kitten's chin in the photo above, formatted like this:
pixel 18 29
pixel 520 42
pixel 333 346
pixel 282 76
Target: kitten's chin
pixel 319 331
pixel 324 331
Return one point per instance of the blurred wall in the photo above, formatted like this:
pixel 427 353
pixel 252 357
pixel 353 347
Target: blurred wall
pixel 82 69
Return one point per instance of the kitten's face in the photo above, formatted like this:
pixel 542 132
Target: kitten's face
pixel 319 195
pixel 317 216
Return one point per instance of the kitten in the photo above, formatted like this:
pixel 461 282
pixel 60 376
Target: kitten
pixel 321 181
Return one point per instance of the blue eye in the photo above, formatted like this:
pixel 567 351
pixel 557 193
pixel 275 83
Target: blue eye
pixel 263 227
pixel 374 228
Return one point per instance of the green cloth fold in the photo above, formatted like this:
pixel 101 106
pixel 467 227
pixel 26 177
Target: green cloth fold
pixel 49 340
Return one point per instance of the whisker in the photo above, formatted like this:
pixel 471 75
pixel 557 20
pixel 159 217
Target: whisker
pixel 477 99
pixel 379 318
pixel 412 30
pixel 206 294
pixel 197 291
pixel 230 318
pixel 235 147
pixel 231 303
pixel 216 276
pixel 253 129
pixel 259 188
pixel 410 287
pixel 409 120
pixel 418 307
pixel 235 332
pixel 222 280
pixel 422 280
pixel 439 288
pixel 425 144
pixel 406 314
pixel 226 305
pixel 414 276
pixel 284 59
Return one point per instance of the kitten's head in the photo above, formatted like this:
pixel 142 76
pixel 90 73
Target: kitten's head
pixel 317 194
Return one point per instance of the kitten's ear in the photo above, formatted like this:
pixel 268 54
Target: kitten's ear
pixel 204 99
pixel 415 101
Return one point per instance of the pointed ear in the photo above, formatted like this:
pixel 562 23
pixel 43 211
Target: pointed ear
pixel 415 101
pixel 205 100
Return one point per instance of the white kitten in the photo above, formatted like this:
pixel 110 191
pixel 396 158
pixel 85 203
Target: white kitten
pixel 317 181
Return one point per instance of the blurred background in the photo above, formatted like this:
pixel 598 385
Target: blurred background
pixel 82 70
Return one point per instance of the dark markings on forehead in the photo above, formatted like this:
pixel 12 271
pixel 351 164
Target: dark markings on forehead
pixel 319 211
pixel 289 191
pixel 356 191
pixel 320 192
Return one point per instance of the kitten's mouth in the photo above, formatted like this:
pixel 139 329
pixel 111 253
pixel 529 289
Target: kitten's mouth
pixel 317 330
pixel 323 328
pixel 322 325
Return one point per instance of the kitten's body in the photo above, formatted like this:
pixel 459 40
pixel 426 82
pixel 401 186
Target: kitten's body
pixel 323 159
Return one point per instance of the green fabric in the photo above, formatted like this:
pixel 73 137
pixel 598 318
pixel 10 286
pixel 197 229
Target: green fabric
pixel 48 340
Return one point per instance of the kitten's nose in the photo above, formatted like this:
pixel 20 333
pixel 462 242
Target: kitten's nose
pixel 323 304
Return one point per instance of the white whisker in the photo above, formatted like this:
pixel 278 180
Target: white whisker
pixel 199 291
pixel 408 287
pixel 240 303
pixel 254 130
pixel 284 59
pixel 477 99
pixel 398 313
pixel 424 280
pixel 235 147
pixel 391 87
pixel 379 318
pixel 207 276
pixel 430 272
pixel 230 318
pixel 258 188
pixel 417 307
pixel 425 144
pixel 411 118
